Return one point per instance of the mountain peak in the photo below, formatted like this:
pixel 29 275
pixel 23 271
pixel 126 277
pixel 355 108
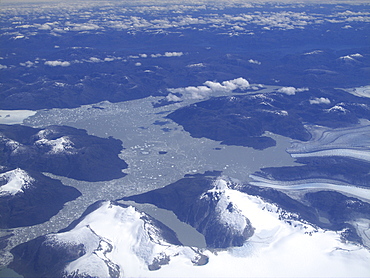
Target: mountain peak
pixel 113 240
pixel 14 182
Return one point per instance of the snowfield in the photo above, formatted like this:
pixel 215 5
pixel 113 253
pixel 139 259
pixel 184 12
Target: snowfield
pixel 279 249
pixel 120 240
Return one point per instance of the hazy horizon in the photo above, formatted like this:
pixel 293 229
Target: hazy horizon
pixel 194 2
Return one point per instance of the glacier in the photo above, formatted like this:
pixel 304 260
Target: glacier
pixel 133 112
pixel 114 240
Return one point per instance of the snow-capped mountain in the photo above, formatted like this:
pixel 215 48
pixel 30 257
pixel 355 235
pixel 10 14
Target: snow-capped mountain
pixel 178 88
pixel 236 227
pixel 200 201
pixel 14 182
pixel 63 151
pixel 30 198
pixel 109 240
pixel 114 240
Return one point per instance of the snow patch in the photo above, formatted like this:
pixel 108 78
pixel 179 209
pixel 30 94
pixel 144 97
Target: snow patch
pixel 14 181
pixel 228 212
pixel 14 146
pixel 59 145
pixel 337 108
pixel 314 52
pixel 351 57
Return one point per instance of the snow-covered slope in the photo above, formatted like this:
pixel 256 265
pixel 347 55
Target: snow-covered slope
pixel 111 241
pixel 61 150
pixel 200 201
pixel 29 198
pixel 281 247
pixel 118 241
pixel 14 181
pixel 223 218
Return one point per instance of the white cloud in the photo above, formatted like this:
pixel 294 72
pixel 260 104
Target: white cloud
pixel 287 90
pixel 45 27
pixel 138 64
pixel 155 18
pixel 94 60
pixel 84 27
pixel 238 28
pixel 172 97
pixel 208 87
pixel 215 86
pixel 57 63
pixel 3 67
pixel 173 54
pixel 301 90
pixel 320 100
pixel 166 54
pixel 192 92
pixel 25 26
pixel 27 64
pixel 240 83
pixel 291 90
pixel 228 86
pixel 59 30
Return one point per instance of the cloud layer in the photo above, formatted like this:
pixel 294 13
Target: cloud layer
pixel 92 17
